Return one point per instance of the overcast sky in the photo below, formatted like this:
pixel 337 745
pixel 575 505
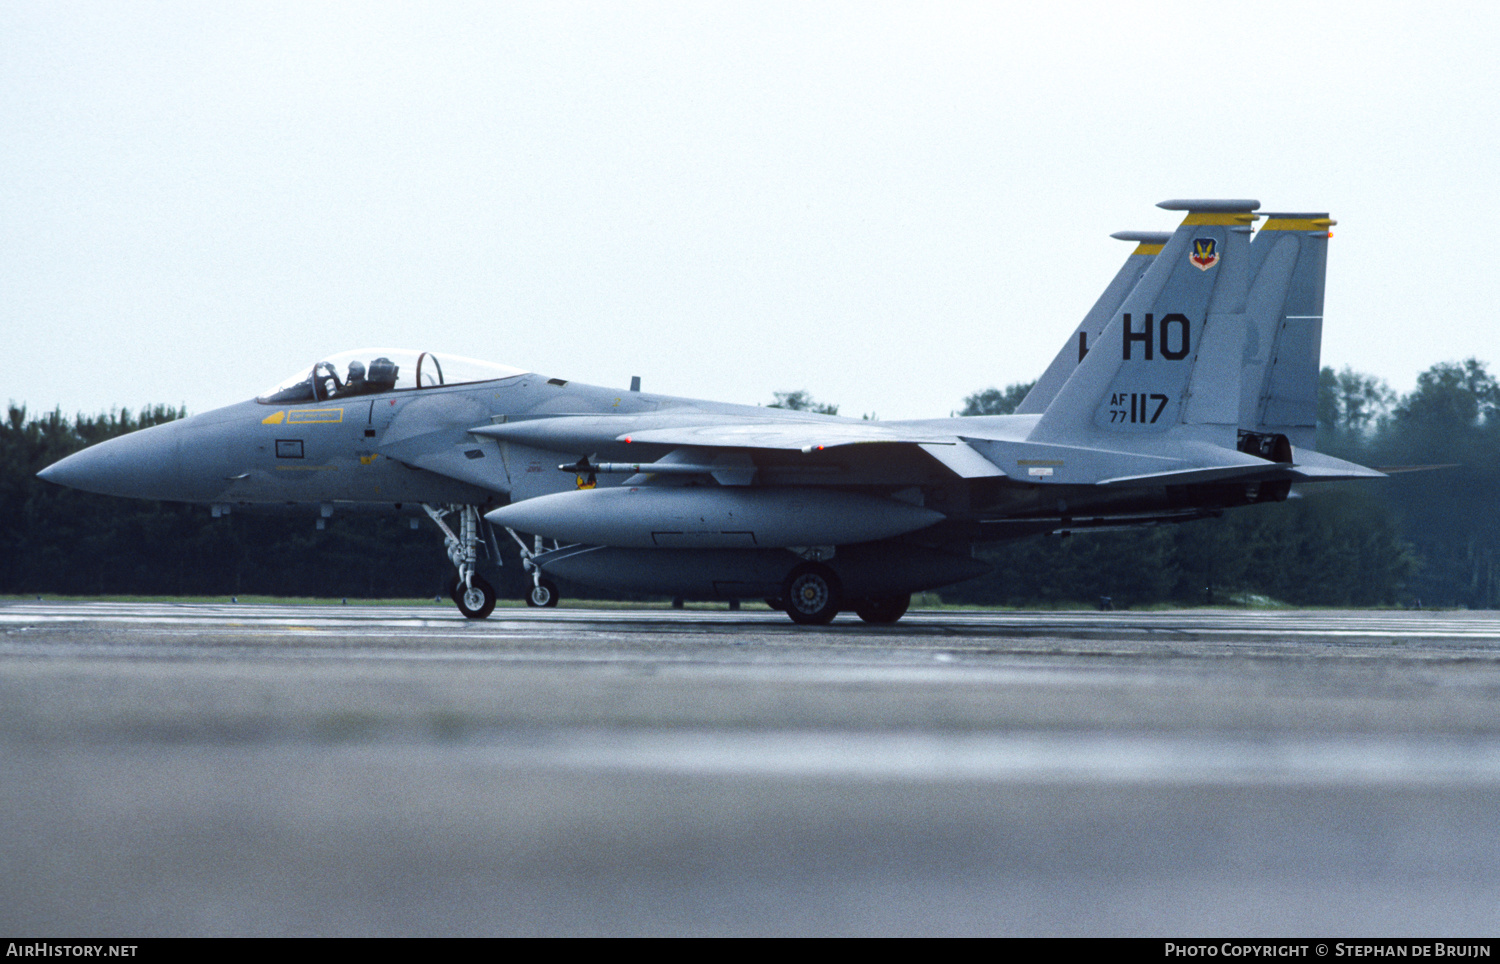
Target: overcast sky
pixel 889 205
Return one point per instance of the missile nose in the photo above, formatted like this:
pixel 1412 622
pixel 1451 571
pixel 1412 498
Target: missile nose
pixel 141 465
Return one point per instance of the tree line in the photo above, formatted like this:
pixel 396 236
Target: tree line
pixel 1429 537
pixel 58 540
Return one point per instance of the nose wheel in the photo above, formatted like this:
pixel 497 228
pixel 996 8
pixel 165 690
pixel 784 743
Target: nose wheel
pixel 470 592
pixel 544 593
pixel 477 601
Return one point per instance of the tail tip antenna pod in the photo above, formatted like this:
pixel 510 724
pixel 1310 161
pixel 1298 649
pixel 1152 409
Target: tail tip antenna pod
pixel 1147 242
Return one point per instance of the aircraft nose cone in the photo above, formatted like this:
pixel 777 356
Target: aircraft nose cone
pixel 142 465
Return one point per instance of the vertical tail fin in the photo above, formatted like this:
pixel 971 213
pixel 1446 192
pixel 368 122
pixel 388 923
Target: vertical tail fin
pixel 1170 354
pixel 1284 308
pixel 1148 247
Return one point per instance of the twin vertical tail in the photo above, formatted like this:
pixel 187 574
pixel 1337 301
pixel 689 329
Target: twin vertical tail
pixel 1148 246
pixel 1283 339
pixel 1216 341
pixel 1169 358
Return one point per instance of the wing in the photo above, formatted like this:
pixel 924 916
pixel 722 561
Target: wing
pixel 584 433
pixel 578 432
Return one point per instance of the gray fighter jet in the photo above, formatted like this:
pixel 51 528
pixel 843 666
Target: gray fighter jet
pixel 1189 389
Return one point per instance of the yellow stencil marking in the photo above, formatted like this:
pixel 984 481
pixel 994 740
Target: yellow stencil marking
pixel 314 416
pixel 275 418
pixel 1212 218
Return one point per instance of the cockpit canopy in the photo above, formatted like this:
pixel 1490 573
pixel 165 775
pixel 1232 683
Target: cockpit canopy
pixel 369 371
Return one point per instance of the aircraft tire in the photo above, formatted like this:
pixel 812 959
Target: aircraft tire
pixel 543 593
pixel 883 610
pixel 479 601
pixel 812 595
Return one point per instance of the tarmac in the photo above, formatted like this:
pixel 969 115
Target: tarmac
pixel 175 770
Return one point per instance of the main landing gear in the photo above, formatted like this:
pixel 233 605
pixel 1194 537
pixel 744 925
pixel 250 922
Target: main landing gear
pixel 812 596
pixel 470 592
pixel 883 610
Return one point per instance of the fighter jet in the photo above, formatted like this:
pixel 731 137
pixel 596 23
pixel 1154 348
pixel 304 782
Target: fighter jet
pixel 1189 389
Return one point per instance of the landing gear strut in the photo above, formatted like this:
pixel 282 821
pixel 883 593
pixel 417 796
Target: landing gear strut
pixel 473 595
pixel 543 590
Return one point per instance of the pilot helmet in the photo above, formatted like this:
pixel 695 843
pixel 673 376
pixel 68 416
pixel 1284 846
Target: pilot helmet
pixel 356 371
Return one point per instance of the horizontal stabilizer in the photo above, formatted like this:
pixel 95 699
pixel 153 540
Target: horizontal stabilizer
pixel 1222 473
pixel 963 461
pixel 1400 469
pixel 1309 466
pixel 1316 467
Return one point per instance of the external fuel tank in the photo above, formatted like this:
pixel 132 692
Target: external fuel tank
pixel 714 517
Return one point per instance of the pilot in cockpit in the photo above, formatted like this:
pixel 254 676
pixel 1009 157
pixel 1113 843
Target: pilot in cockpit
pixel 355 384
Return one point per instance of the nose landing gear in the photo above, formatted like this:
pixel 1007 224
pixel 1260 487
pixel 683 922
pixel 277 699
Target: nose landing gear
pixel 544 593
pixel 476 601
pixel 470 592
pixel 543 590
